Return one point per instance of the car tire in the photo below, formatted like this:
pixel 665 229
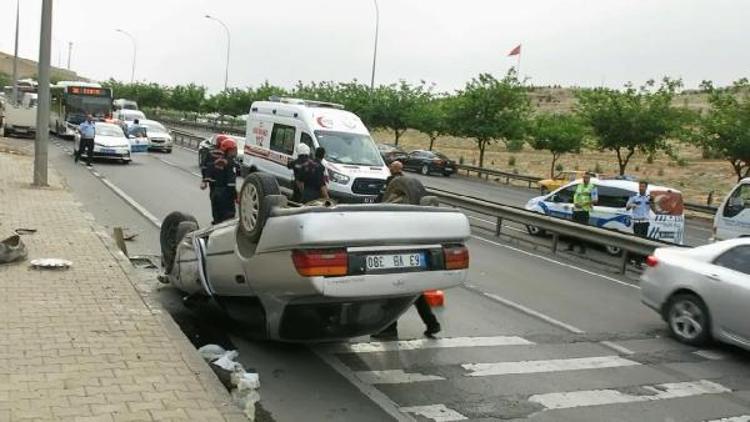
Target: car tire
pixel 168 151
pixel 446 174
pixel 535 230
pixel 613 250
pixel 404 190
pixel 168 239
pixel 688 319
pixel 253 211
pixel 425 170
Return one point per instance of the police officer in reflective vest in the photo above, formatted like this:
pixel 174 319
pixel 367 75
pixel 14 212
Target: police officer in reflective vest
pixel 584 199
pixel 219 173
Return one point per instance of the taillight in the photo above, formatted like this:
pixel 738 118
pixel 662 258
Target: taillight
pixel 651 261
pixel 321 262
pixel 456 257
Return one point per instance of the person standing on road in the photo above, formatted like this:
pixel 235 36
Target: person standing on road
pixel 87 129
pixel 303 154
pixel 311 178
pixel 584 199
pixel 640 206
pixel 423 308
pixel 219 174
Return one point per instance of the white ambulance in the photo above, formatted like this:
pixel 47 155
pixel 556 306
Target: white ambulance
pixel 356 171
pixel 733 216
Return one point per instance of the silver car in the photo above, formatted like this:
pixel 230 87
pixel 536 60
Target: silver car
pixel 158 136
pixel 702 293
pixel 317 272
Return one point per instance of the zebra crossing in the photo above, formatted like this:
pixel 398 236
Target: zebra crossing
pixel 512 377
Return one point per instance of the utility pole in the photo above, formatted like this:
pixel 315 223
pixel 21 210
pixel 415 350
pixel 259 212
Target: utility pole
pixel 135 51
pixel 14 100
pixel 229 43
pixel 70 51
pixel 42 111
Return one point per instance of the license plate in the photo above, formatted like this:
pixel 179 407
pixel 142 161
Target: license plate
pixel 395 261
pixel 369 200
pixel 108 151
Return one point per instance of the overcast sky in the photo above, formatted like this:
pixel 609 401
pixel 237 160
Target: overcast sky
pixel 566 42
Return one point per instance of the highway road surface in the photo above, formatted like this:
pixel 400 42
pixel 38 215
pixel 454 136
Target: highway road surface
pixel 532 336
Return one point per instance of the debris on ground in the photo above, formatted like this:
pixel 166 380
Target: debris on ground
pixel 242 384
pixel 12 249
pixel 51 263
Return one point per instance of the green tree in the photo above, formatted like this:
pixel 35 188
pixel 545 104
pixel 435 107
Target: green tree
pixel 724 130
pixel 488 109
pixel 429 117
pixel 634 119
pixel 557 133
pixel 190 97
pixel 391 105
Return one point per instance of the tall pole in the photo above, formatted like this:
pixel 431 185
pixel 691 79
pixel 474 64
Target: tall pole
pixel 14 100
pixel 229 43
pixel 375 50
pixel 135 50
pixel 43 104
pixel 70 52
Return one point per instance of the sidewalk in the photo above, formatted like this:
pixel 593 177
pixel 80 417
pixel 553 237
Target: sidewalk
pixel 81 344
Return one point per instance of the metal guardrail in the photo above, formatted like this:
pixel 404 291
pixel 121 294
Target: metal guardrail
pixel 499 174
pixel 186 139
pixel 629 244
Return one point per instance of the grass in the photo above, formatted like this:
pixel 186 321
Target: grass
pixel 693 175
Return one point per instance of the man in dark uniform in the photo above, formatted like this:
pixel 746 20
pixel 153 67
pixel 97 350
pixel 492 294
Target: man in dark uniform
pixel 311 179
pixel 303 154
pixel 423 308
pixel 219 174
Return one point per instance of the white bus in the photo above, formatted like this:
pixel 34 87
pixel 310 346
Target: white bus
pixel 73 100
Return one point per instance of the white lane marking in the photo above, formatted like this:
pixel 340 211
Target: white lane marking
pixel 419 344
pixel 617 347
pixel 436 412
pixel 604 397
pixel 711 354
pixel 622 283
pixel 394 376
pixel 742 418
pixel 536 314
pixel 552 365
pixel 132 202
pixel 370 391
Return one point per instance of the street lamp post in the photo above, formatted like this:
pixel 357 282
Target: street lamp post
pixel 15 55
pixel 229 42
pixel 375 50
pixel 135 49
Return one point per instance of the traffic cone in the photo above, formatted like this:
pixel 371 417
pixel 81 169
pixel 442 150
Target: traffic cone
pixel 435 298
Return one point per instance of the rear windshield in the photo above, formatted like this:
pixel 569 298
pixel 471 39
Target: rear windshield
pixel 667 202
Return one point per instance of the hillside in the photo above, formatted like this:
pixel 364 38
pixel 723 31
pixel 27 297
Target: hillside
pixel 28 69
pixel 562 100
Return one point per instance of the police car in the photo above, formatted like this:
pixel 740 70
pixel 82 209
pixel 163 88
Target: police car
pixel 667 223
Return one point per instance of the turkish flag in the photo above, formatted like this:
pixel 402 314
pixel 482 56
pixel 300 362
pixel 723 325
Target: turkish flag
pixel 516 51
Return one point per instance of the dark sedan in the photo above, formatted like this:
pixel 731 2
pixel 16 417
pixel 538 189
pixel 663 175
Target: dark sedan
pixel 391 153
pixel 428 162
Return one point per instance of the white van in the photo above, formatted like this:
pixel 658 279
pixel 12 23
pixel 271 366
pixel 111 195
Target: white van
pixel 356 171
pixel 123 104
pixel 667 224
pixel 733 216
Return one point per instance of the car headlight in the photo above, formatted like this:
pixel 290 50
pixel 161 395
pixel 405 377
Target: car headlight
pixel 338 177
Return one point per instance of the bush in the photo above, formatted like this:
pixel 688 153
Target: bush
pixel 637 168
pixel 598 169
pixel 660 172
pixel 559 167
pixel 512 161
pixel 514 145
pixel 650 159
pixel 461 160
pixel 681 162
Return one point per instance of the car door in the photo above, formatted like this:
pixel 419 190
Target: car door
pixel 412 160
pixel 560 204
pixel 734 217
pixel 282 143
pixel 609 211
pixel 730 279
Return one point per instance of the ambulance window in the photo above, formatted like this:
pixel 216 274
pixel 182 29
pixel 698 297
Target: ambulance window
pixel 307 140
pixel 282 139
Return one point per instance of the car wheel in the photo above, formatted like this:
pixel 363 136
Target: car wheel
pixel 534 230
pixel 613 250
pixel 425 170
pixel 168 237
pixel 253 209
pixel 688 319
pixel 404 190
pixel 169 150
pixel 446 174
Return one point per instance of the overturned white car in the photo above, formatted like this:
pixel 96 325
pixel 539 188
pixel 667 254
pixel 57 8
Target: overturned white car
pixel 309 273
